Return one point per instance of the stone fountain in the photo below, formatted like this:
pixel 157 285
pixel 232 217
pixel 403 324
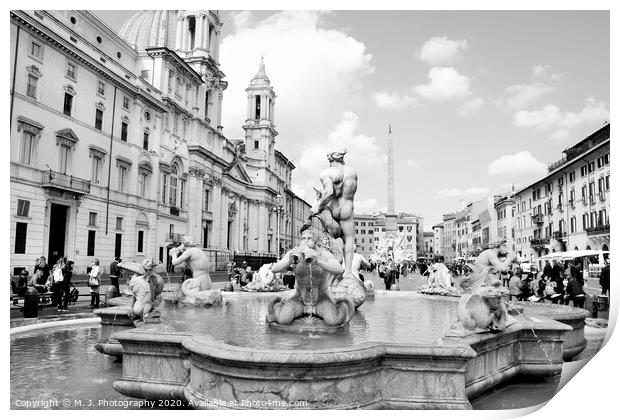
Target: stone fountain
pixel 310 348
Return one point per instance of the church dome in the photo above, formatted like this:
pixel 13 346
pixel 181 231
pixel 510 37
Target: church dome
pixel 151 28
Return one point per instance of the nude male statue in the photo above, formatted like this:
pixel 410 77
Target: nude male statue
pixel 335 204
pixel 195 258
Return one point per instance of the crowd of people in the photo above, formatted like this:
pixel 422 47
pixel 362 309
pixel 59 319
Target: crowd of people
pixel 243 275
pixel 56 280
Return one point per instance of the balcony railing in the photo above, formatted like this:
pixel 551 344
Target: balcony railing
pixel 572 203
pixel 598 230
pixel 207 215
pixel 557 164
pixel 558 234
pixel 537 218
pixel 59 181
pixel 174 211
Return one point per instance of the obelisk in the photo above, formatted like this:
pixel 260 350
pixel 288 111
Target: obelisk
pixel 390 216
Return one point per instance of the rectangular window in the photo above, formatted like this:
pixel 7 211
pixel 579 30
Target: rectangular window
pixel 31 88
pixel 124 131
pixel 101 88
pixel 143 181
pixel 71 70
pixel 573 224
pixel 590 167
pixel 25 153
pixel 122 178
pixel 607 182
pixel 145 141
pixel 90 246
pixel 181 193
pixel 36 50
pixel 140 241
pixel 68 104
pixel 98 119
pixel 95 170
pixel 23 208
pixel 571 176
pixel 584 221
pixel 63 159
pixel 125 102
pixel 256 144
pixel 119 223
pixel 20 237
pixel 584 170
pixel 606 159
pixel 92 219
pixel 207 193
pixel 164 185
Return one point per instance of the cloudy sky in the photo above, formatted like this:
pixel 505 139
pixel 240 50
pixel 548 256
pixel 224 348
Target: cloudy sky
pixel 477 100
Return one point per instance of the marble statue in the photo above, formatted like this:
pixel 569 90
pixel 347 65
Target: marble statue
pixel 487 266
pixel 483 306
pixel 439 282
pixel 334 204
pixel 314 269
pixel 265 281
pixel 146 287
pixel 484 310
pixel 195 290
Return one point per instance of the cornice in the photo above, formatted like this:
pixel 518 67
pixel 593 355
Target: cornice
pixel 25 21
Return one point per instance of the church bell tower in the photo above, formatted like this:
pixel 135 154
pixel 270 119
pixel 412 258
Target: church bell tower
pixel 260 131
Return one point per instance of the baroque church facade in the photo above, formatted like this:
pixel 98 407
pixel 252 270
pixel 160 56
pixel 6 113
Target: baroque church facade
pixel 117 146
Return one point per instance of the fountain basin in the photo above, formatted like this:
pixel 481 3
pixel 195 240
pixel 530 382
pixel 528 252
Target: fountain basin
pixel 367 366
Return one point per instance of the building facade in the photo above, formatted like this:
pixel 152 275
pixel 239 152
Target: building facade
pixel 568 209
pixel 117 145
pixel 438 238
pixel 365 234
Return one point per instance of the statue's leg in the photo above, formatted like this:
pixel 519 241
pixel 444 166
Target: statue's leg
pixel 348 236
pixel 287 311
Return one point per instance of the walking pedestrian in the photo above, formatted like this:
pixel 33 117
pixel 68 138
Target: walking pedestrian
pixel 289 278
pixel 115 273
pixel 65 286
pixel 93 282
pixel 574 289
pixel 55 283
pixel 604 280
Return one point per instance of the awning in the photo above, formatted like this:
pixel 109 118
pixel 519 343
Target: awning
pixel 571 255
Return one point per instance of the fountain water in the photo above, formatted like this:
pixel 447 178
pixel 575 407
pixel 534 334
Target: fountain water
pixel 391 352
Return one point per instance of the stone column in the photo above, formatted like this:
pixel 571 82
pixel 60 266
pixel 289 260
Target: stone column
pixel 207 39
pixel 199 31
pixel 262 227
pixel 179 36
pixel 220 96
pixel 217 46
pixel 224 219
pixel 194 212
pixel 250 100
pixel 217 215
pixel 185 33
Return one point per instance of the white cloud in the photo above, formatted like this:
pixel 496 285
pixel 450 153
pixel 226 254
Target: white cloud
pixel 316 72
pixel 441 50
pixel 543 71
pixel 551 117
pixel 522 163
pixel 241 20
pixel 559 136
pixel 520 96
pixel 444 83
pixel 393 100
pixel 471 106
pixel 458 193
pixel 363 150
